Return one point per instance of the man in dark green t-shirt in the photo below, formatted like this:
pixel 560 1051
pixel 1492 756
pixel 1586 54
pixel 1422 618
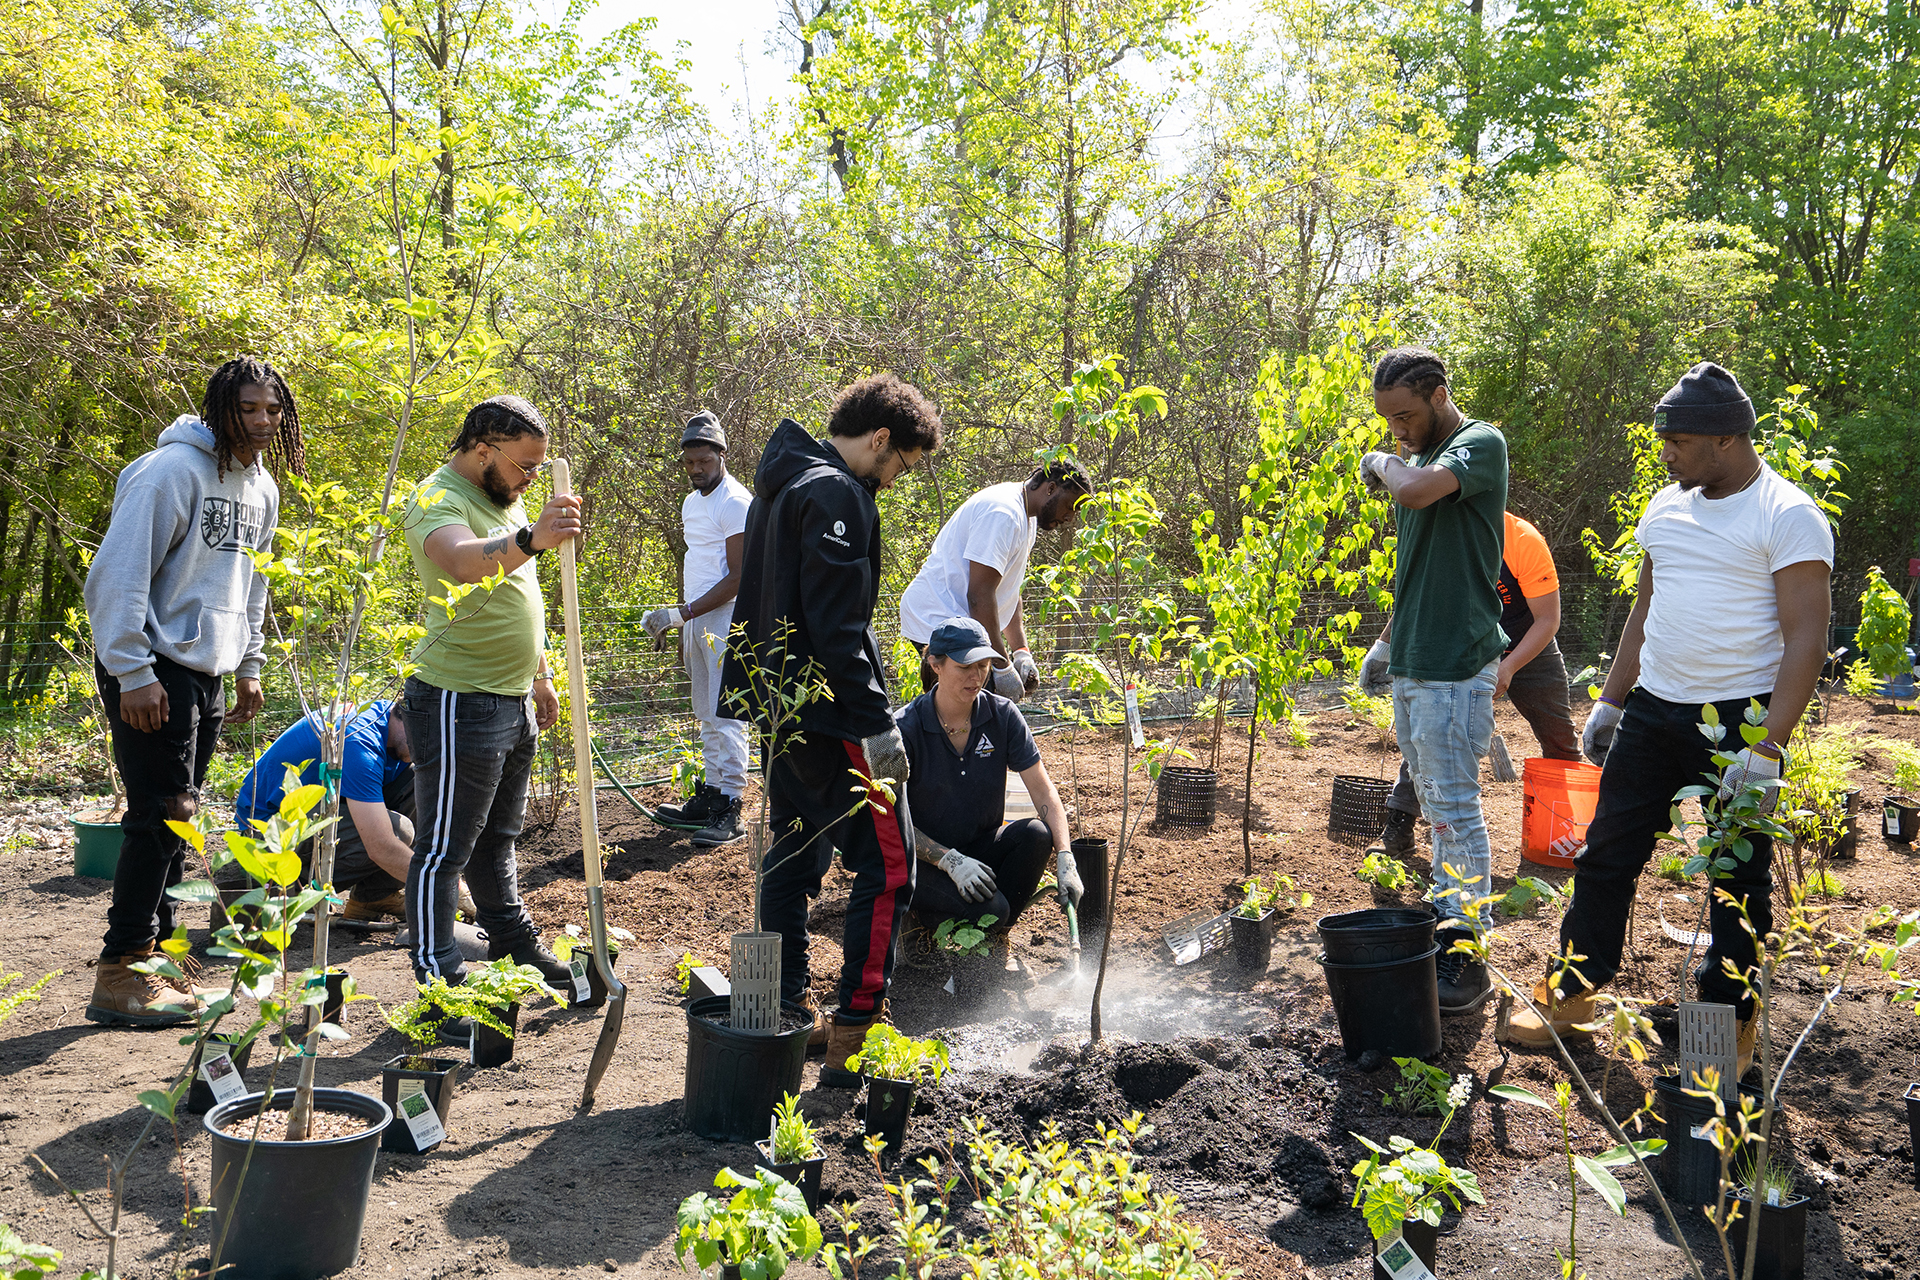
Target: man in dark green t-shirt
pixel 1442 647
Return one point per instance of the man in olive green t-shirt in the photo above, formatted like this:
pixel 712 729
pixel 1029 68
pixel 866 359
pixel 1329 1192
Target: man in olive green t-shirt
pixel 481 693
pixel 1442 647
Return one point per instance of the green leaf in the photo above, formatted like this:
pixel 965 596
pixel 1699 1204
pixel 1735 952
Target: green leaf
pixel 1514 1093
pixel 1595 1175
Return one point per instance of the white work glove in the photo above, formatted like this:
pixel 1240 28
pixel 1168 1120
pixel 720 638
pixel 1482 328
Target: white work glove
pixel 1750 766
pixel 1373 470
pixel 1597 738
pixel 1375 681
pixel 1067 872
pixel 1027 668
pixel 973 877
pixel 1008 684
pixel 660 621
pixel 886 755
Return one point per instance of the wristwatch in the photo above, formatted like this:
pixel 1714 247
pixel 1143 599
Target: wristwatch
pixel 523 539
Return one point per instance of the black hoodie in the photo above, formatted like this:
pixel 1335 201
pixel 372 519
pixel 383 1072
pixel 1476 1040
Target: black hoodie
pixel 808 585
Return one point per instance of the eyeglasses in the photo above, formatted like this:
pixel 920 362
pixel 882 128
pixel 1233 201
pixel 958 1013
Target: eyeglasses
pixel 531 473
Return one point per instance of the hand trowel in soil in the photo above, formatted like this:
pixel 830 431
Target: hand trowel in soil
pixel 589 815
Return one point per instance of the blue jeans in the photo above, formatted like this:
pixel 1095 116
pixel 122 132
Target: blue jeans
pixel 472 760
pixel 1444 729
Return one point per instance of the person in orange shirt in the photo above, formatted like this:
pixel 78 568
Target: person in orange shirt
pixel 1531 672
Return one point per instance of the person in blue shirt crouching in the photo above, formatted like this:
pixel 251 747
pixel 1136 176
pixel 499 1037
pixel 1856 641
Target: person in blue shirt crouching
pixel 962 741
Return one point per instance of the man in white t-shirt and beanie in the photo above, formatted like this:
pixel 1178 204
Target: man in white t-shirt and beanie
pixel 714 520
pixel 1733 602
pixel 979 564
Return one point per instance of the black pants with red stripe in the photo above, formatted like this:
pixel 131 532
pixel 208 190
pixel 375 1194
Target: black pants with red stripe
pixel 811 811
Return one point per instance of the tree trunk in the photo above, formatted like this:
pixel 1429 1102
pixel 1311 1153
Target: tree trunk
pixel 1246 800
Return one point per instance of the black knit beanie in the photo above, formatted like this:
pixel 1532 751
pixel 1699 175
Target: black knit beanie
pixel 1707 401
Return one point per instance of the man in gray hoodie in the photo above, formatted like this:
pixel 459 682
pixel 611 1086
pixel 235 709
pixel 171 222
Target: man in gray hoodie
pixel 175 607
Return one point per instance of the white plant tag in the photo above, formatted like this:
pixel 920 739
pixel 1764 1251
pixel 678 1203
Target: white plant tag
pixel 422 1121
pixel 1133 719
pixel 1773 1196
pixel 1398 1260
pixel 581 987
pixel 1893 821
pixel 222 1077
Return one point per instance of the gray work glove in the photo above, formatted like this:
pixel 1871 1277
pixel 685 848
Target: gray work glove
pixel 1750 767
pixel 886 755
pixel 1067 872
pixel 1375 681
pixel 1027 668
pixel 1597 738
pixel 973 877
pixel 1008 684
pixel 1373 471
pixel 660 621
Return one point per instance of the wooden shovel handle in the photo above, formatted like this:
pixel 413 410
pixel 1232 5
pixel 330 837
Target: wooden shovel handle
pixel 576 690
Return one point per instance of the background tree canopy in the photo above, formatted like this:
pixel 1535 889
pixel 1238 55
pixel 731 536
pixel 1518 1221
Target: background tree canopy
pixel 409 207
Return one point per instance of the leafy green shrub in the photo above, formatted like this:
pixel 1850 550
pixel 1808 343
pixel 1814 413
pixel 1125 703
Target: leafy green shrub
pixel 1672 866
pixel 964 937
pixel 1529 892
pixel 1885 623
pixel 1906 763
pixel 23 1260
pixel 888 1055
pixel 764 1227
pixel 793 1138
pixel 1423 1090
pixel 488 989
pixel 1255 898
pixel 1384 871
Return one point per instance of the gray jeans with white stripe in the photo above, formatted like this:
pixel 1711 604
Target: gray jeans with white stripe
pixel 472 759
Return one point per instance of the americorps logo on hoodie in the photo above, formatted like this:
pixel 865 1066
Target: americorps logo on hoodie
pixel 226 525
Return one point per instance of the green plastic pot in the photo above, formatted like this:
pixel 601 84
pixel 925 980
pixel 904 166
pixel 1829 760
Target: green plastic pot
pixel 96 845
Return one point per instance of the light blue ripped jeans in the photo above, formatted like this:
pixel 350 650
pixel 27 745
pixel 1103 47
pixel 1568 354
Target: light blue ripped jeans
pixel 1445 729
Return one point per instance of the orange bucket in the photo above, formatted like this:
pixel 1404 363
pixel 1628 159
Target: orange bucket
pixel 1559 798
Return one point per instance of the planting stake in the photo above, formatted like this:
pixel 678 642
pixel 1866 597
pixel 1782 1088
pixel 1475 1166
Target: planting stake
pixel 589 816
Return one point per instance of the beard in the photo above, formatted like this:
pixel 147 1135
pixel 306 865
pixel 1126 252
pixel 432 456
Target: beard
pixel 496 488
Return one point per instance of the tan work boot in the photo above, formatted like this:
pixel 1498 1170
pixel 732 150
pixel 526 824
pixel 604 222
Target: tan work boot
pixel 817 1038
pixel 124 995
pixel 1529 1030
pixel 843 1041
pixel 467 907
pixel 370 910
pixel 192 980
pixel 1743 1048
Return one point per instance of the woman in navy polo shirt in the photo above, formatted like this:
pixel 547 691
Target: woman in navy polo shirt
pixel 962 741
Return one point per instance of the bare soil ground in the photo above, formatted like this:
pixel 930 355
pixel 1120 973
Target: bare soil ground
pixel 1242 1076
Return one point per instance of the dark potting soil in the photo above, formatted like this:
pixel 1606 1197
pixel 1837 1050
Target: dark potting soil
pixel 326 1124
pixel 789 1021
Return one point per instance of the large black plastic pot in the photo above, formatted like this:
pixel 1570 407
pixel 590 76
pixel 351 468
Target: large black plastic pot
pixel 1253 941
pixel 439 1079
pixel 200 1093
pixel 1090 857
pixel 889 1104
pixel 736 1078
pixel 490 1048
pixel 1184 797
pixel 1421 1238
pixel 1377 935
pixel 1690 1166
pixel 298 1214
pixel 804 1174
pixel 1393 1007
pixel 1783 1239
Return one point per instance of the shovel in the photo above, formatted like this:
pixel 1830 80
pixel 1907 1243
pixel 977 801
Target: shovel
pixel 589 815
pixel 1071 974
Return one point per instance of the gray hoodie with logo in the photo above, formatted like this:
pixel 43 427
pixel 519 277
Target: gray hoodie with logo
pixel 174 575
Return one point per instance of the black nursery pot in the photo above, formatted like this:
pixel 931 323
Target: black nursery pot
pixel 1090 857
pixel 804 1174
pixel 490 1048
pixel 1847 845
pixel 736 1078
pixel 1689 1167
pixel 889 1104
pixel 1421 1238
pixel 1782 1254
pixel 1253 941
pixel 596 985
pixel 299 1212
pixel 440 1079
pixel 1900 820
pixel 1913 1128
pixel 200 1093
pixel 1393 1007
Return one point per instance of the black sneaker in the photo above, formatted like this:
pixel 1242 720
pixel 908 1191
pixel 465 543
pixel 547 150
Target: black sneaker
pixel 1396 838
pixel 696 812
pixel 1463 980
pixel 723 828
pixel 527 949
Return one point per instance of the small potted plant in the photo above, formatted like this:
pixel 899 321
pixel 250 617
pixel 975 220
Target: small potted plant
pixel 1252 943
pixel 210 1075
pixel 1401 1194
pixel 1885 623
pixel 492 994
pixel 763 1227
pixel 573 950
pixel 418 1073
pixel 1782 1254
pixel 793 1151
pixel 893 1066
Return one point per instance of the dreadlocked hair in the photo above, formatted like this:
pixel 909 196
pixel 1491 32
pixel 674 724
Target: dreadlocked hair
pixel 498 418
pixel 1064 472
pixel 1415 368
pixel 221 412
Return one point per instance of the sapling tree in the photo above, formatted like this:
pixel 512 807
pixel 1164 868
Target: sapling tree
pixel 1886 625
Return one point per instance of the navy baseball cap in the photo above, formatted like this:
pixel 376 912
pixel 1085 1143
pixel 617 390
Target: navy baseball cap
pixel 704 428
pixel 962 639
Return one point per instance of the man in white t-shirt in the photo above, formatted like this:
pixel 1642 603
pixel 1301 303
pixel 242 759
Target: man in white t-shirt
pixel 979 564
pixel 1734 597
pixel 714 520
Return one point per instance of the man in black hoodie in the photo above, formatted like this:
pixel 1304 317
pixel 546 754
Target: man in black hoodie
pixel 808 583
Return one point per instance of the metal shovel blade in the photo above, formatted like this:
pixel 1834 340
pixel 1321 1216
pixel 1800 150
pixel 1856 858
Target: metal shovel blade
pixel 1502 762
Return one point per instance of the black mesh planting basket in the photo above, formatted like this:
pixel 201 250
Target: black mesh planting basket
pixel 1185 797
pixel 1359 809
